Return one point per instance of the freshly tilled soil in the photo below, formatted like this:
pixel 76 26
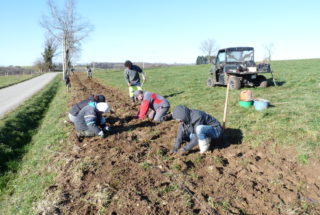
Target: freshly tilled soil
pixel 132 171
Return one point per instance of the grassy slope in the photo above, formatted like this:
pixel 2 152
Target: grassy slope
pixel 293 119
pixel 6 81
pixel 26 186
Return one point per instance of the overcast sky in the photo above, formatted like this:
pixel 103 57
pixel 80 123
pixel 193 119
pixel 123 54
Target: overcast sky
pixel 168 31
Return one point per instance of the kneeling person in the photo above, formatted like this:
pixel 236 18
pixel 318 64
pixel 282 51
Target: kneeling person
pixel 197 127
pixel 90 122
pixel 159 105
pixel 74 111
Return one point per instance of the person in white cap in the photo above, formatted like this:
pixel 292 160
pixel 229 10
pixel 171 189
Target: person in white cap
pixel 90 122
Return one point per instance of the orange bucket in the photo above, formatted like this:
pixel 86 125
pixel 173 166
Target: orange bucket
pixel 246 95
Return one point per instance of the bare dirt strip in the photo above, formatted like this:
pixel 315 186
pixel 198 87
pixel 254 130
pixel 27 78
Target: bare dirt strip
pixel 132 171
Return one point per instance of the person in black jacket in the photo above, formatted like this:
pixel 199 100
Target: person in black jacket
pixel 75 109
pixel 197 127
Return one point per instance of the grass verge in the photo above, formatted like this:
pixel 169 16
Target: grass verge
pixel 6 81
pixel 292 118
pixel 30 138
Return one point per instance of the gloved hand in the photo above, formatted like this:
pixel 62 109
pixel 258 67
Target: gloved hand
pixel 102 134
pixel 107 128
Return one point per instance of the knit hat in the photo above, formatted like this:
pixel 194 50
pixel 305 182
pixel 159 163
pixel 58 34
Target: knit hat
pixel 100 98
pixel 103 107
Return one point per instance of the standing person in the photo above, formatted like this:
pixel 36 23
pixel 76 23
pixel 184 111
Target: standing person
pixel 68 83
pixel 75 109
pixel 90 122
pixel 89 72
pixel 197 127
pixel 131 75
pixel 159 106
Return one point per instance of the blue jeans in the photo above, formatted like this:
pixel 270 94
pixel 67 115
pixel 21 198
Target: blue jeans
pixel 203 132
pixel 207 131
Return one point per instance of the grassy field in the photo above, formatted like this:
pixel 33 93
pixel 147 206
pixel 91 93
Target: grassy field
pixel 30 137
pixel 6 81
pixel 293 118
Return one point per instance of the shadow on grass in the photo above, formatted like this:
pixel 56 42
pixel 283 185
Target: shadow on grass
pixel 19 129
pixel 173 94
pixel 230 136
pixel 271 83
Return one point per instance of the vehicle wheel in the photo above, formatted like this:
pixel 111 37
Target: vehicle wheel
pixel 234 83
pixel 210 82
pixel 262 81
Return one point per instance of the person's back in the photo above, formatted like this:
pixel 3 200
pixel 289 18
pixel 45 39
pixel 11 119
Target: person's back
pixel 156 101
pixel 199 117
pixel 132 75
pixel 76 108
pixel 86 120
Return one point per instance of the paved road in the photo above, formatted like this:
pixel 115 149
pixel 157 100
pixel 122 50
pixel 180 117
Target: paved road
pixel 13 96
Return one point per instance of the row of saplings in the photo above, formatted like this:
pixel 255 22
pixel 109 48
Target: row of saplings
pixel 196 127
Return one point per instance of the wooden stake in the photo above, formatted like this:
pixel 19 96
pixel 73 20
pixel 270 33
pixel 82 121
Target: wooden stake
pixel 226 105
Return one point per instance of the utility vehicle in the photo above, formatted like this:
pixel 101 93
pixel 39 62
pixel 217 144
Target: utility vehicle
pixel 237 64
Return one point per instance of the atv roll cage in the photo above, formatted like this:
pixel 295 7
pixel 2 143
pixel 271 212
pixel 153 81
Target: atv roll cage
pixel 238 63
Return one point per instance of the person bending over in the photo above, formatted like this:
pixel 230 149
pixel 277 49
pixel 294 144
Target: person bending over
pixel 90 122
pixel 75 109
pixel 196 127
pixel 158 105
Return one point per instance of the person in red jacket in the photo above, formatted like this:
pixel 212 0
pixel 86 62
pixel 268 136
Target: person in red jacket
pixel 158 104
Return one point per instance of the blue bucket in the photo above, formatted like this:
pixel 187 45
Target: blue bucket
pixel 260 104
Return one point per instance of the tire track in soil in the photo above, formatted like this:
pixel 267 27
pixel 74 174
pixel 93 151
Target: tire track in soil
pixel 131 172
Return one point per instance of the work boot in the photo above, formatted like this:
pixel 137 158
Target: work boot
pixel 167 117
pixel 204 145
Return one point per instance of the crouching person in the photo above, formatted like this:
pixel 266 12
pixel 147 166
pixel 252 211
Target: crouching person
pixel 75 109
pixel 197 128
pixel 158 105
pixel 90 122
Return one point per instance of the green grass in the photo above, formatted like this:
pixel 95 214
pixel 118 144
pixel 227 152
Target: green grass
pixel 6 81
pixel 293 118
pixel 33 135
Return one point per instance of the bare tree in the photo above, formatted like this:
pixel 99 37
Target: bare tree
pixel 50 49
pixel 268 52
pixel 39 65
pixel 208 47
pixel 68 28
